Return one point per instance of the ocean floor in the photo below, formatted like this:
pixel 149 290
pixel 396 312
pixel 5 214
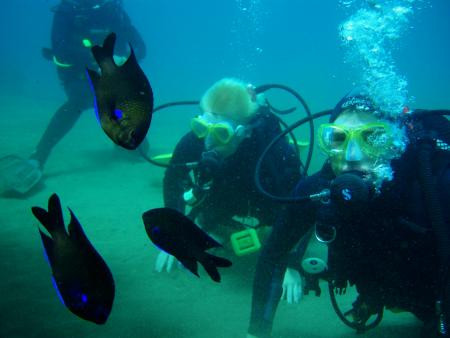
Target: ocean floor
pixel 108 189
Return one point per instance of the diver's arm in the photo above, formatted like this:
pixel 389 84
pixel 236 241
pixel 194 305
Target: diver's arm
pixel 188 149
pixel 131 34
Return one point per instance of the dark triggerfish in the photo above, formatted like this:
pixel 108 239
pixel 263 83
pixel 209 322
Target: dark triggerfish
pixel 80 275
pixel 123 96
pixel 176 234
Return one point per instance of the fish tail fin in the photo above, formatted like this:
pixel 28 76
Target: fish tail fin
pixel 104 55
pixel 52 220
pixel 191 265
pixel 211 262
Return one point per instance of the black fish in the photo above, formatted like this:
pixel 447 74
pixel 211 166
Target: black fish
pixel 80 275
pixel 123 96
pixel 174 233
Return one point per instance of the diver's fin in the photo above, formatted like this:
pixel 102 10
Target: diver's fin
pixel 52 220
pixel 18 174
pixel 104 55
pixel 210 263
pixel 191 265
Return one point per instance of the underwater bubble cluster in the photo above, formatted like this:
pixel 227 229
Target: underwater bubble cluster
pixel 247 28
pixel 369 35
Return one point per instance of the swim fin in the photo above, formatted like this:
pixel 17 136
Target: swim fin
pixel 18 174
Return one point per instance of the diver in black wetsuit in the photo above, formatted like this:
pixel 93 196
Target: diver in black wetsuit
pixel 227 140
pixel 77 26
pixel 391 239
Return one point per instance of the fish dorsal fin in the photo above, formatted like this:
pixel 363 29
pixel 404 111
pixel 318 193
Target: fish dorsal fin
pixel 104 55
pixel 52 220
pixel 76 232
pixel 49 246
pixel 131 64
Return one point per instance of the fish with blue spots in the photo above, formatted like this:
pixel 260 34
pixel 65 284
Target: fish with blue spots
pixel 123 96
pixel 174 233
pixel 80 276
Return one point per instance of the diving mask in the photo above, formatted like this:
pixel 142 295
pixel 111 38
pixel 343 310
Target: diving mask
pixel 222 131
pixel 374 138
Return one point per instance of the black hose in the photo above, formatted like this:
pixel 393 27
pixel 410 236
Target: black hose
pixel 359 327
pixel 264 153
pixel 266 87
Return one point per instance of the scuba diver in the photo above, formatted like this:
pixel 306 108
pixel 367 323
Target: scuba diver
pixel 383 213
pixel 77 26
pixel 224 144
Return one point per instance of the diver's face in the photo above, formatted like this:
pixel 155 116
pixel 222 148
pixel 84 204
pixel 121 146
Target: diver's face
pixel 353 157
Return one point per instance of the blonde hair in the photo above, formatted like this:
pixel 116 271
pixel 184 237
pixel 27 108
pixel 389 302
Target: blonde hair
pixel 231 99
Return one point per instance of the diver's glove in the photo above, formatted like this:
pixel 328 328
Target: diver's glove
pixel 164 261
pixel 292 286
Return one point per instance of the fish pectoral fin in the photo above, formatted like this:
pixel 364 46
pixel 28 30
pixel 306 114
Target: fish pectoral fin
pixel 211 262
pixel 52 220
pixel 191 265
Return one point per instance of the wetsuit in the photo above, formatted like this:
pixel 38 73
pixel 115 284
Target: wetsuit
pixel 73 23
pixel 233 191
pixel 388 251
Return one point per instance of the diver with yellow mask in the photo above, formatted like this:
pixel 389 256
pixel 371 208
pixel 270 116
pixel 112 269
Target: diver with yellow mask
pixel 226 140
pixel 380 205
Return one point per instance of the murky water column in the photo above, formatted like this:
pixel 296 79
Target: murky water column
pixel 247 33
pixel 370 35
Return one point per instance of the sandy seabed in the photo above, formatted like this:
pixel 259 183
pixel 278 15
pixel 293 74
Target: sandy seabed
pixel 108 189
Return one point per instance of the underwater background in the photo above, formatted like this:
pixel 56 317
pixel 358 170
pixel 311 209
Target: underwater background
pixel 190 45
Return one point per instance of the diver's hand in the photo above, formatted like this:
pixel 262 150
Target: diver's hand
pixel 292 286
pixel 164 261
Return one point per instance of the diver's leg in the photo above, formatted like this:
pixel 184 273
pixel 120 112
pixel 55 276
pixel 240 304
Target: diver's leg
pixel 79 98
pixel 60 124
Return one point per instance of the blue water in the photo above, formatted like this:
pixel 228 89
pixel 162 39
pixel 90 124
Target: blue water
pixel 190 45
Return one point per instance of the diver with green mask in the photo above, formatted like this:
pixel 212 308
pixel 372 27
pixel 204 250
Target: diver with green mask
pixel 226 139
pixel 382 213
pixel 77 26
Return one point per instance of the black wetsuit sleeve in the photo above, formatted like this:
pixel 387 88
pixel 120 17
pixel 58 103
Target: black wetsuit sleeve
pixel 176 178
pixel 291 226
pixel 131 34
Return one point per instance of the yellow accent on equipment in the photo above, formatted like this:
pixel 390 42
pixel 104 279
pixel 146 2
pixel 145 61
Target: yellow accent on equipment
pixel 245 242
pixel 87 43
pixel 163 159
pixel 60 64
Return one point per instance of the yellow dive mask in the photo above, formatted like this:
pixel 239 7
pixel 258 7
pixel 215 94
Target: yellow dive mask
pixel 222 132
pixel 375 138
